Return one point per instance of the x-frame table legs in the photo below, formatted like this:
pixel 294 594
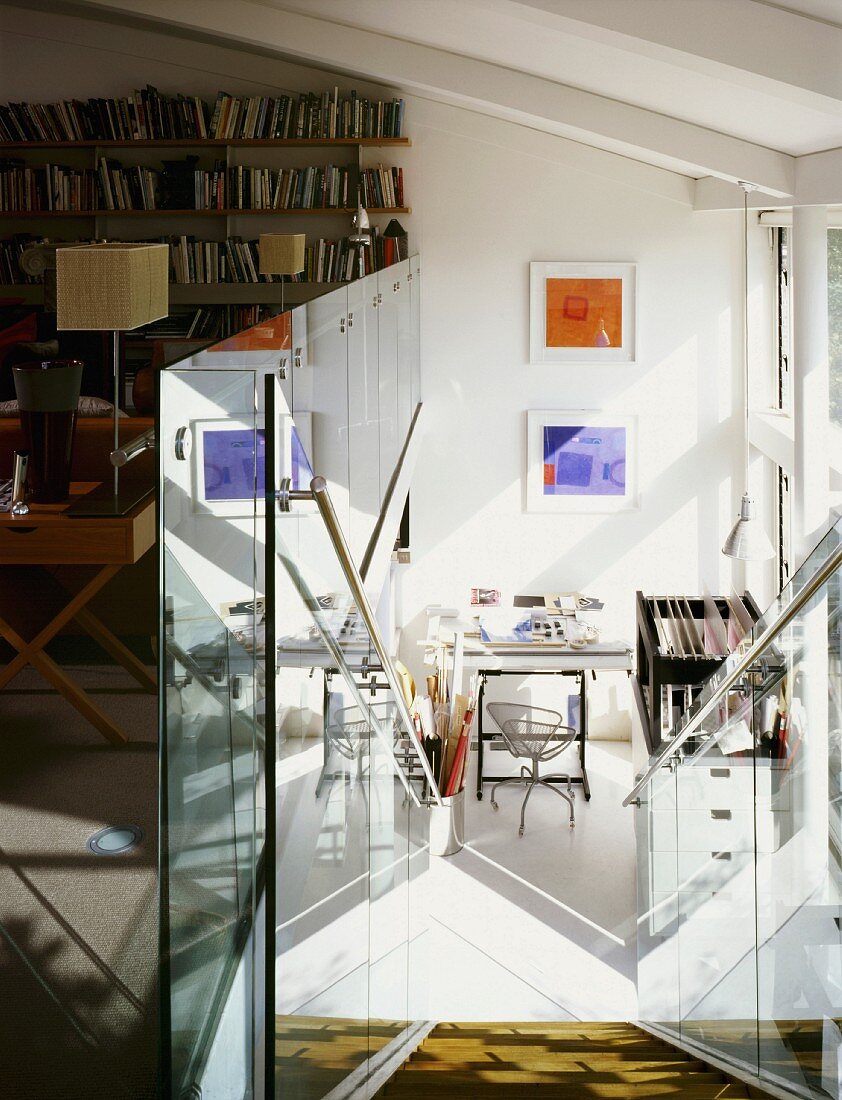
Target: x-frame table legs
pixel 31 652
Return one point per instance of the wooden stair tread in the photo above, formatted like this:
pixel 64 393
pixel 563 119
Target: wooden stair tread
pixel 526 1086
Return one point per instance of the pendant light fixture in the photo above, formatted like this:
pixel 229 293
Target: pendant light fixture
pixel 747 539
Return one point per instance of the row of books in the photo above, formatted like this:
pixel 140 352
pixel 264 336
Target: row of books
pixel 54 187
pixel 244 188
pixel 148 115
pixel 49 187
pixel 382 186
pixel 234 260
pixel 309 116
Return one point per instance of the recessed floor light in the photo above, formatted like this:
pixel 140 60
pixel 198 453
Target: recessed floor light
pixel 115 840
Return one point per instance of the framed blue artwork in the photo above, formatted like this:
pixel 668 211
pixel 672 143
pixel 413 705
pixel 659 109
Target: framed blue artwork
pixel 580 461
pixel 230 462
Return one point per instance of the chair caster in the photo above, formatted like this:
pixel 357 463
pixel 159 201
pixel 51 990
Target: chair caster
pixel 494 806
pixel 520 831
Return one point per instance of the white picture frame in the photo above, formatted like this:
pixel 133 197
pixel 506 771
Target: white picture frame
pixel 215 491
pixel 575 307
pixel 580 460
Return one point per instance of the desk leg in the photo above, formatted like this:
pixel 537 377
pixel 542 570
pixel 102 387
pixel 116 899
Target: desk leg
pixel 480 694
pixel 115 648
pixel 583 732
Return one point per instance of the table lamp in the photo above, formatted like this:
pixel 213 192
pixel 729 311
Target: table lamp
pixel 281 254
pixel 114 287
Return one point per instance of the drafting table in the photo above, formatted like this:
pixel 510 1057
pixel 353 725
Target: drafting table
pixel 536 658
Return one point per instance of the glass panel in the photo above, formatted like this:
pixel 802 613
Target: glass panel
pixel 834 319
pixel 366 490
pixel 657 904
pixel 799 792
pixel 716 890
pixel 321 877
pixel 209 733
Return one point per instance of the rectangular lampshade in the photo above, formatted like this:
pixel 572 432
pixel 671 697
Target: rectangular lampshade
pixel 281 253
pixel 111 286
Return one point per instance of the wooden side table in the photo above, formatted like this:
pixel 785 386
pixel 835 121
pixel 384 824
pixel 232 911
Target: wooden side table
pixel 34 605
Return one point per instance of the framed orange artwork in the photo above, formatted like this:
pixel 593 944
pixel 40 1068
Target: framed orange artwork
pixel 582 313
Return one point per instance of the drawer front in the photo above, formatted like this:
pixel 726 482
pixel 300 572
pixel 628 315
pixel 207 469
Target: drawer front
pixel 715 830
pixel 712 787
pixel 74 543
pixel 698 871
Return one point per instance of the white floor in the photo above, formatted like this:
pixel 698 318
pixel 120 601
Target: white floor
pixel 540 926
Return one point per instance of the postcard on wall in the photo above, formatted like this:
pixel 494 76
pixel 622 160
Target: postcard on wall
pixel 580 461
pixel 582 313
pixel 485 597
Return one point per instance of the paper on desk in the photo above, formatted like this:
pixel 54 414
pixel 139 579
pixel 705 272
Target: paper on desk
pixel 502 625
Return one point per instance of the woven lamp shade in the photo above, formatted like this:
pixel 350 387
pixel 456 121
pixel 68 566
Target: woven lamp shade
pixel 111 286
pixel 281 253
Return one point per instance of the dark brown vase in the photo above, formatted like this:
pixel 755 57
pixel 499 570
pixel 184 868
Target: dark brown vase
pixel 48 395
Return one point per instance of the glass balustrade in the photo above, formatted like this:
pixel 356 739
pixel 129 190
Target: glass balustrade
pixel 294 829
pixel 739 852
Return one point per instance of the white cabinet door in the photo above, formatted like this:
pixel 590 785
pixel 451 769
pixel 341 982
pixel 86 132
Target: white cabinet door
pixel 363 414
pixel 403 311
pixel 387 344
pixel 415 310
pixel 325 370
pixel 299 357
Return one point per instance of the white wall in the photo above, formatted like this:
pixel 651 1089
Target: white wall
pixel 488 197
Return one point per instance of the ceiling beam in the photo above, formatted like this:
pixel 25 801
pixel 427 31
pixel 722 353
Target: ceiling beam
pixel 752 43
pixel 474 84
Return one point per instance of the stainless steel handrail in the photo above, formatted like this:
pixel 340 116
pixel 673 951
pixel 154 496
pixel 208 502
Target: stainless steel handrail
pixel 318 487
pixel 695 718
pixel 368 555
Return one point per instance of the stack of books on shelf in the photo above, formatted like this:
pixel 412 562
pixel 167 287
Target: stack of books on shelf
pixel 311 116
pixel 244 188
pixel 121 188
pixel 148 115
pixel 46 187
pixel 142 116
pixel 382 186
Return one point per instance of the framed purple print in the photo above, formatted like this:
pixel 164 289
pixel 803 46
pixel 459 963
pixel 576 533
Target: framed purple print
pixel 229 462
pixel 580 461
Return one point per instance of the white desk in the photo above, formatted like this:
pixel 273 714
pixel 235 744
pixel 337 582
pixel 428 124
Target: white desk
pixel 536 658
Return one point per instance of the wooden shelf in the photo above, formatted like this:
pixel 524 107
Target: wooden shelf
pixel 214 143
pixel 346 211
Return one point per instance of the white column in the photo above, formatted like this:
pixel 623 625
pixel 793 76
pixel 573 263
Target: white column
pixel 810 378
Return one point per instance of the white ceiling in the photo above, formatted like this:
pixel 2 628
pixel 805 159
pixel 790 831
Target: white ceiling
pixel 590 44
pixel 726 89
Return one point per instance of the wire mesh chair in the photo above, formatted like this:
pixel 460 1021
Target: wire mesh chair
pixel 538 734
pixel 349 730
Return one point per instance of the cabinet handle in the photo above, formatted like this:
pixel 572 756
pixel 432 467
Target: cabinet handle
pixel 374 302
pixel 396 287
pixel 350 320
pixel 720 773
pixel 720 855
pixel 379 298
pixel 297 360
pixel 282 370
pixel 342 324
pixel 720 815
pixel 21 530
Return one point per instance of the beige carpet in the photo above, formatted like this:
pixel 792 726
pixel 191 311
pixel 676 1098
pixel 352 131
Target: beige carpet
pixel 78 932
